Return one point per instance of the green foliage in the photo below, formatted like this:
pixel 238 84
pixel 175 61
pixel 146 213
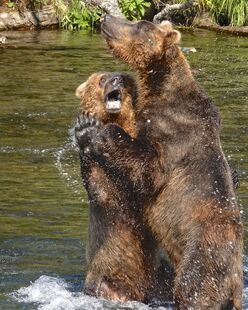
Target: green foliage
pixel 76 15
pixel 233 12
pixel 10 4
pixel 79 16
pixel 134 9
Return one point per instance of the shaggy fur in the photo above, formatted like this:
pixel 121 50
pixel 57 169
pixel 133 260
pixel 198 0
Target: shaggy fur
pixel 176 166
pixel 122 254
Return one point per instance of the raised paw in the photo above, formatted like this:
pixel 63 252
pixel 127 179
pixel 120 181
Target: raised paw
pixel 86 129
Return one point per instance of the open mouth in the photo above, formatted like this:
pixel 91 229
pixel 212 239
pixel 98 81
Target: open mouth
pixel 113 101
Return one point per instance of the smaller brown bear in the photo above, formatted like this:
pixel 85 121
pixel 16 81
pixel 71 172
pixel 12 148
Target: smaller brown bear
pixel 122 254
pixel 111 97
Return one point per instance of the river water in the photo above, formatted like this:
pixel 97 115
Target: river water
pixel 43 209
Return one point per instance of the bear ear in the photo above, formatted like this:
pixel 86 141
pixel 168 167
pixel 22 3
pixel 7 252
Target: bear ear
pixel 80 90
pixel 166 26
pixel 170 33
pixel 175 36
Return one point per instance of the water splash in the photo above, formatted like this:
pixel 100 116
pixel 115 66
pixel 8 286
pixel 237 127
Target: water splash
pixel 51 293
pixel 67 163
pixel 28 150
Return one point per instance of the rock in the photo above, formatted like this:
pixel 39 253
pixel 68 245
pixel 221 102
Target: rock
pixel 28 19
pixel 189 49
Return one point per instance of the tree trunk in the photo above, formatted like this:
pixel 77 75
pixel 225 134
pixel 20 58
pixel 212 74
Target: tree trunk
pixel 108 6
pixel 165 13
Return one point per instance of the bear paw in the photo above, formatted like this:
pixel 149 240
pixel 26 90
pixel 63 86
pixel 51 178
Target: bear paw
pixel 86 131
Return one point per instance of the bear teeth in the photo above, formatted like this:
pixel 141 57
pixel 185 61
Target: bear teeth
pixel 113 105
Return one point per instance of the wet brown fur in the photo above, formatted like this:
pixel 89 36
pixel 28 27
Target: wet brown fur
pixel 94 103
pixel 177 167
pixel 122 254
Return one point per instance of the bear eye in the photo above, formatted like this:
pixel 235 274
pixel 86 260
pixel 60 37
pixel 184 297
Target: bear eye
pixel 102 80
pixel 140 25
pixel 150 42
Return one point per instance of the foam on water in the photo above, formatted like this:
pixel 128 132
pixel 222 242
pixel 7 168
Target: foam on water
pixel 54 293
pixel 51 293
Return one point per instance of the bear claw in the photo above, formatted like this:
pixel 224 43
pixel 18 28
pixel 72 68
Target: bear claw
pixel 85 120
pixel 85 129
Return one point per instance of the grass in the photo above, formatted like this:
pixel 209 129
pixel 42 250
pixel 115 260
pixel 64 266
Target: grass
pixel 227 12
pixel 224 12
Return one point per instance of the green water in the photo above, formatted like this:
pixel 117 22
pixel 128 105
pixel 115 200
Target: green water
pixel 43 210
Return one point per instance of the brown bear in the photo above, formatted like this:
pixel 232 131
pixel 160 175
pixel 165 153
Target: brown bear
pixel 175 166
pixel 122 254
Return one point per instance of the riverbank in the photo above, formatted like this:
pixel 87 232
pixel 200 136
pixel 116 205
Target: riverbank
pixel 206 23
pixel 46 18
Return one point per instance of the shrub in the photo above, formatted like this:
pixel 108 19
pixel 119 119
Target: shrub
pixel 79 16
pixel 134 9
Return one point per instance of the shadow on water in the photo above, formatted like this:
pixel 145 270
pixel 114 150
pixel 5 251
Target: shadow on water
pixel 43 219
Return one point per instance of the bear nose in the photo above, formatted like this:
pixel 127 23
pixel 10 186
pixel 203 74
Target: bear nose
pixel 117 80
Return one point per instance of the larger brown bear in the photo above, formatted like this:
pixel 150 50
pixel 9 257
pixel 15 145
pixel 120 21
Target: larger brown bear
pixel 176 166
pixel 122 254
